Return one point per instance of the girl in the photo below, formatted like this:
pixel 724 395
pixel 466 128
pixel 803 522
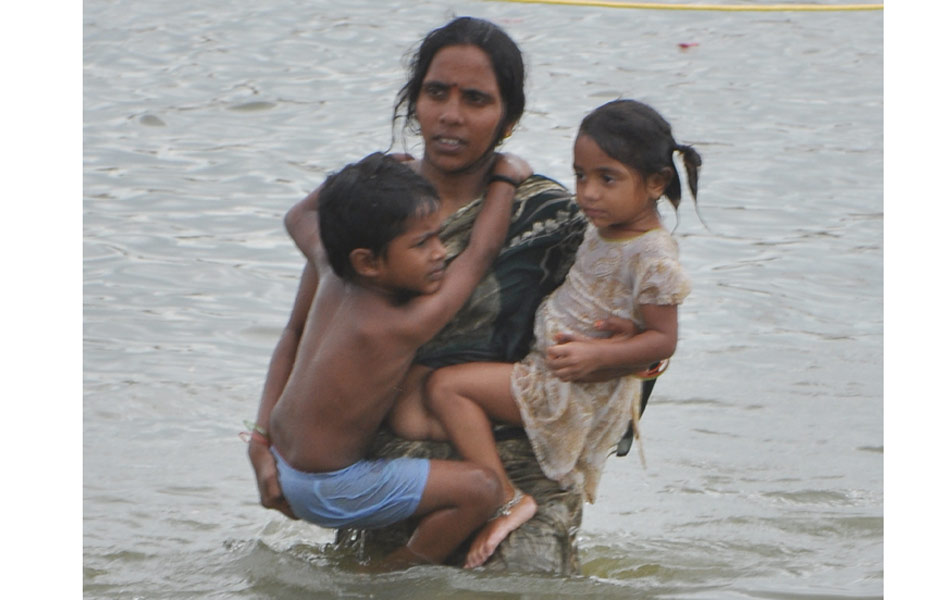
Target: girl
pixel 626 267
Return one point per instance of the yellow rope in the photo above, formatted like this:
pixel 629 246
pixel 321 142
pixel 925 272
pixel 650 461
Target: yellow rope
pixel 719 7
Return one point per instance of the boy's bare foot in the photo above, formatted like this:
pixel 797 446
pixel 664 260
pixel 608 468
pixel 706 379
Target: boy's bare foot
pixel 511 516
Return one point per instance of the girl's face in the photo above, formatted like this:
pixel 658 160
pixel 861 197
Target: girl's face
pixel 459 108
pixel 617 199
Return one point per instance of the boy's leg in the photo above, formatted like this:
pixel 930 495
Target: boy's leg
pixel 458 498
pixel 409 418
pixel 465 398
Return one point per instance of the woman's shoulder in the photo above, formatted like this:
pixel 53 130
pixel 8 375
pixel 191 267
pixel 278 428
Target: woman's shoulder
pixel 541 184
pixel 540 195
pixel 544 207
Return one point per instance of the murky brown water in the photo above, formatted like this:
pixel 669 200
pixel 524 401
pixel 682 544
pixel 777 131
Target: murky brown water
pixel 204 121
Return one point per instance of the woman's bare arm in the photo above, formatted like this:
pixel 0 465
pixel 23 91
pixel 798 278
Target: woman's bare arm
pixel 281 363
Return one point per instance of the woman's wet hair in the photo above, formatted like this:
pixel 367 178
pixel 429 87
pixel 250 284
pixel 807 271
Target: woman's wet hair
pixel 503 53
pixel 636 135
pixel 367 204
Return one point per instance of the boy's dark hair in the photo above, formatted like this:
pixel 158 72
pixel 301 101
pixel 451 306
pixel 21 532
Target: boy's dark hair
pixel 502 51
pixel 366 205
pixel 636 135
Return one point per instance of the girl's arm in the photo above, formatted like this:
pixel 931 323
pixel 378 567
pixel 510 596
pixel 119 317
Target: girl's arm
pixel 596 359
pixel 620 330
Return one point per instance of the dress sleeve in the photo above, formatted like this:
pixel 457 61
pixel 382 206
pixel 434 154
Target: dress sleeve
pixel 663 281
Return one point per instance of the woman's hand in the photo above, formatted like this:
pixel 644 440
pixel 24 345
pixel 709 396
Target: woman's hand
pixel 265 469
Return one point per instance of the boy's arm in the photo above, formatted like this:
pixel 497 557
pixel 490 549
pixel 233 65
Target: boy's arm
pixel 431 312
pixel 593 359
pixel 282 361
pixel 303 225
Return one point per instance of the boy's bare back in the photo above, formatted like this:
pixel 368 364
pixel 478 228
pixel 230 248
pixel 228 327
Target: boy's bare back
pixel 351 358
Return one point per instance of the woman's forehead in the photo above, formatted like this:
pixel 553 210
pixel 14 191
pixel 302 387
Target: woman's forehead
pixel 463 66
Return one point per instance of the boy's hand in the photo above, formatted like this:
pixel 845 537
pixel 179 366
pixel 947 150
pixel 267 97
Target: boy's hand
pixel 265 469
pixel 512 166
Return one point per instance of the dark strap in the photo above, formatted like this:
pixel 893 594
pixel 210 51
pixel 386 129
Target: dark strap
pixel 623 446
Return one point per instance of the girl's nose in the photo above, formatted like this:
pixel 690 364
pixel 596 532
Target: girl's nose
pixel 586 192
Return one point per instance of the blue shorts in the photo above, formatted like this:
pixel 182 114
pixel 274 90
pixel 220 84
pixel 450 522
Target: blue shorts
pixel 367 494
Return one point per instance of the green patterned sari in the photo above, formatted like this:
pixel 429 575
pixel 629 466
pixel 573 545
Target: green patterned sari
pixel 496 322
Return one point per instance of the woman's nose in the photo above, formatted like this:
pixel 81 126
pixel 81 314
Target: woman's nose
pixel 451 111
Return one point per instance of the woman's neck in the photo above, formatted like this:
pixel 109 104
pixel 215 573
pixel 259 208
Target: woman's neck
pixel 456 189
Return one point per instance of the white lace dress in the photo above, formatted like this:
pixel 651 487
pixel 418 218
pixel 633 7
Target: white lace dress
pixel 573 426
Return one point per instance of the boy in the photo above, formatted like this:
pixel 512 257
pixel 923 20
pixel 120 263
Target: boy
pixel 388 293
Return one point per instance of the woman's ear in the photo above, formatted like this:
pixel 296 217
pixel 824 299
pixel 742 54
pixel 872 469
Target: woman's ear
pixel 657 182
pixel 364 262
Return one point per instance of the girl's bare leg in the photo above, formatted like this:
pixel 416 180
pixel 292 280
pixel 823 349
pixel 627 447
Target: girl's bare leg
pixel 464 398
pixel 409 418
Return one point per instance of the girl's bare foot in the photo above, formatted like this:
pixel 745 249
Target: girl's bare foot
pixel 512 515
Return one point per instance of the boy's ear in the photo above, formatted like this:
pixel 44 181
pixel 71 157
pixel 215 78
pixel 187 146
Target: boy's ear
pixel 364 262
pixel 657 182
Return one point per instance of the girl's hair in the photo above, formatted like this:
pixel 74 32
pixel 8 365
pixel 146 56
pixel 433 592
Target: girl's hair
pixel 502 51
pixel 367 204
pixel 636 135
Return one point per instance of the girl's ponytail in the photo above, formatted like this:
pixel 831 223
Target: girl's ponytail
pixel 693 161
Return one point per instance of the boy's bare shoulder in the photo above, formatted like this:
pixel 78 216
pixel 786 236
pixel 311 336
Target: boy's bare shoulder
pixel 405 320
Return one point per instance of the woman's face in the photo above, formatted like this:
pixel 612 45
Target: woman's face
pixel 459 108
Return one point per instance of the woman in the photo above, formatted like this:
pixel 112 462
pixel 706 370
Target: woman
pixel 465 95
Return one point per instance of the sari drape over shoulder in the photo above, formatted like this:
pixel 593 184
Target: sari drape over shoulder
pixel 496 322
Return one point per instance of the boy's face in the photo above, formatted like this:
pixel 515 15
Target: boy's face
pixel 414 261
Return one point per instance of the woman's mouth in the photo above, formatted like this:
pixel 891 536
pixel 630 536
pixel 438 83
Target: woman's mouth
pixel 447 144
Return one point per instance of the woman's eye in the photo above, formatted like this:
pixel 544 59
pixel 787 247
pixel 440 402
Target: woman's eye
pixel 476 98
pixel 435 91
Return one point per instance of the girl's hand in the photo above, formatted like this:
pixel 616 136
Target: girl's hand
pixel 573 360
pixel 619 329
